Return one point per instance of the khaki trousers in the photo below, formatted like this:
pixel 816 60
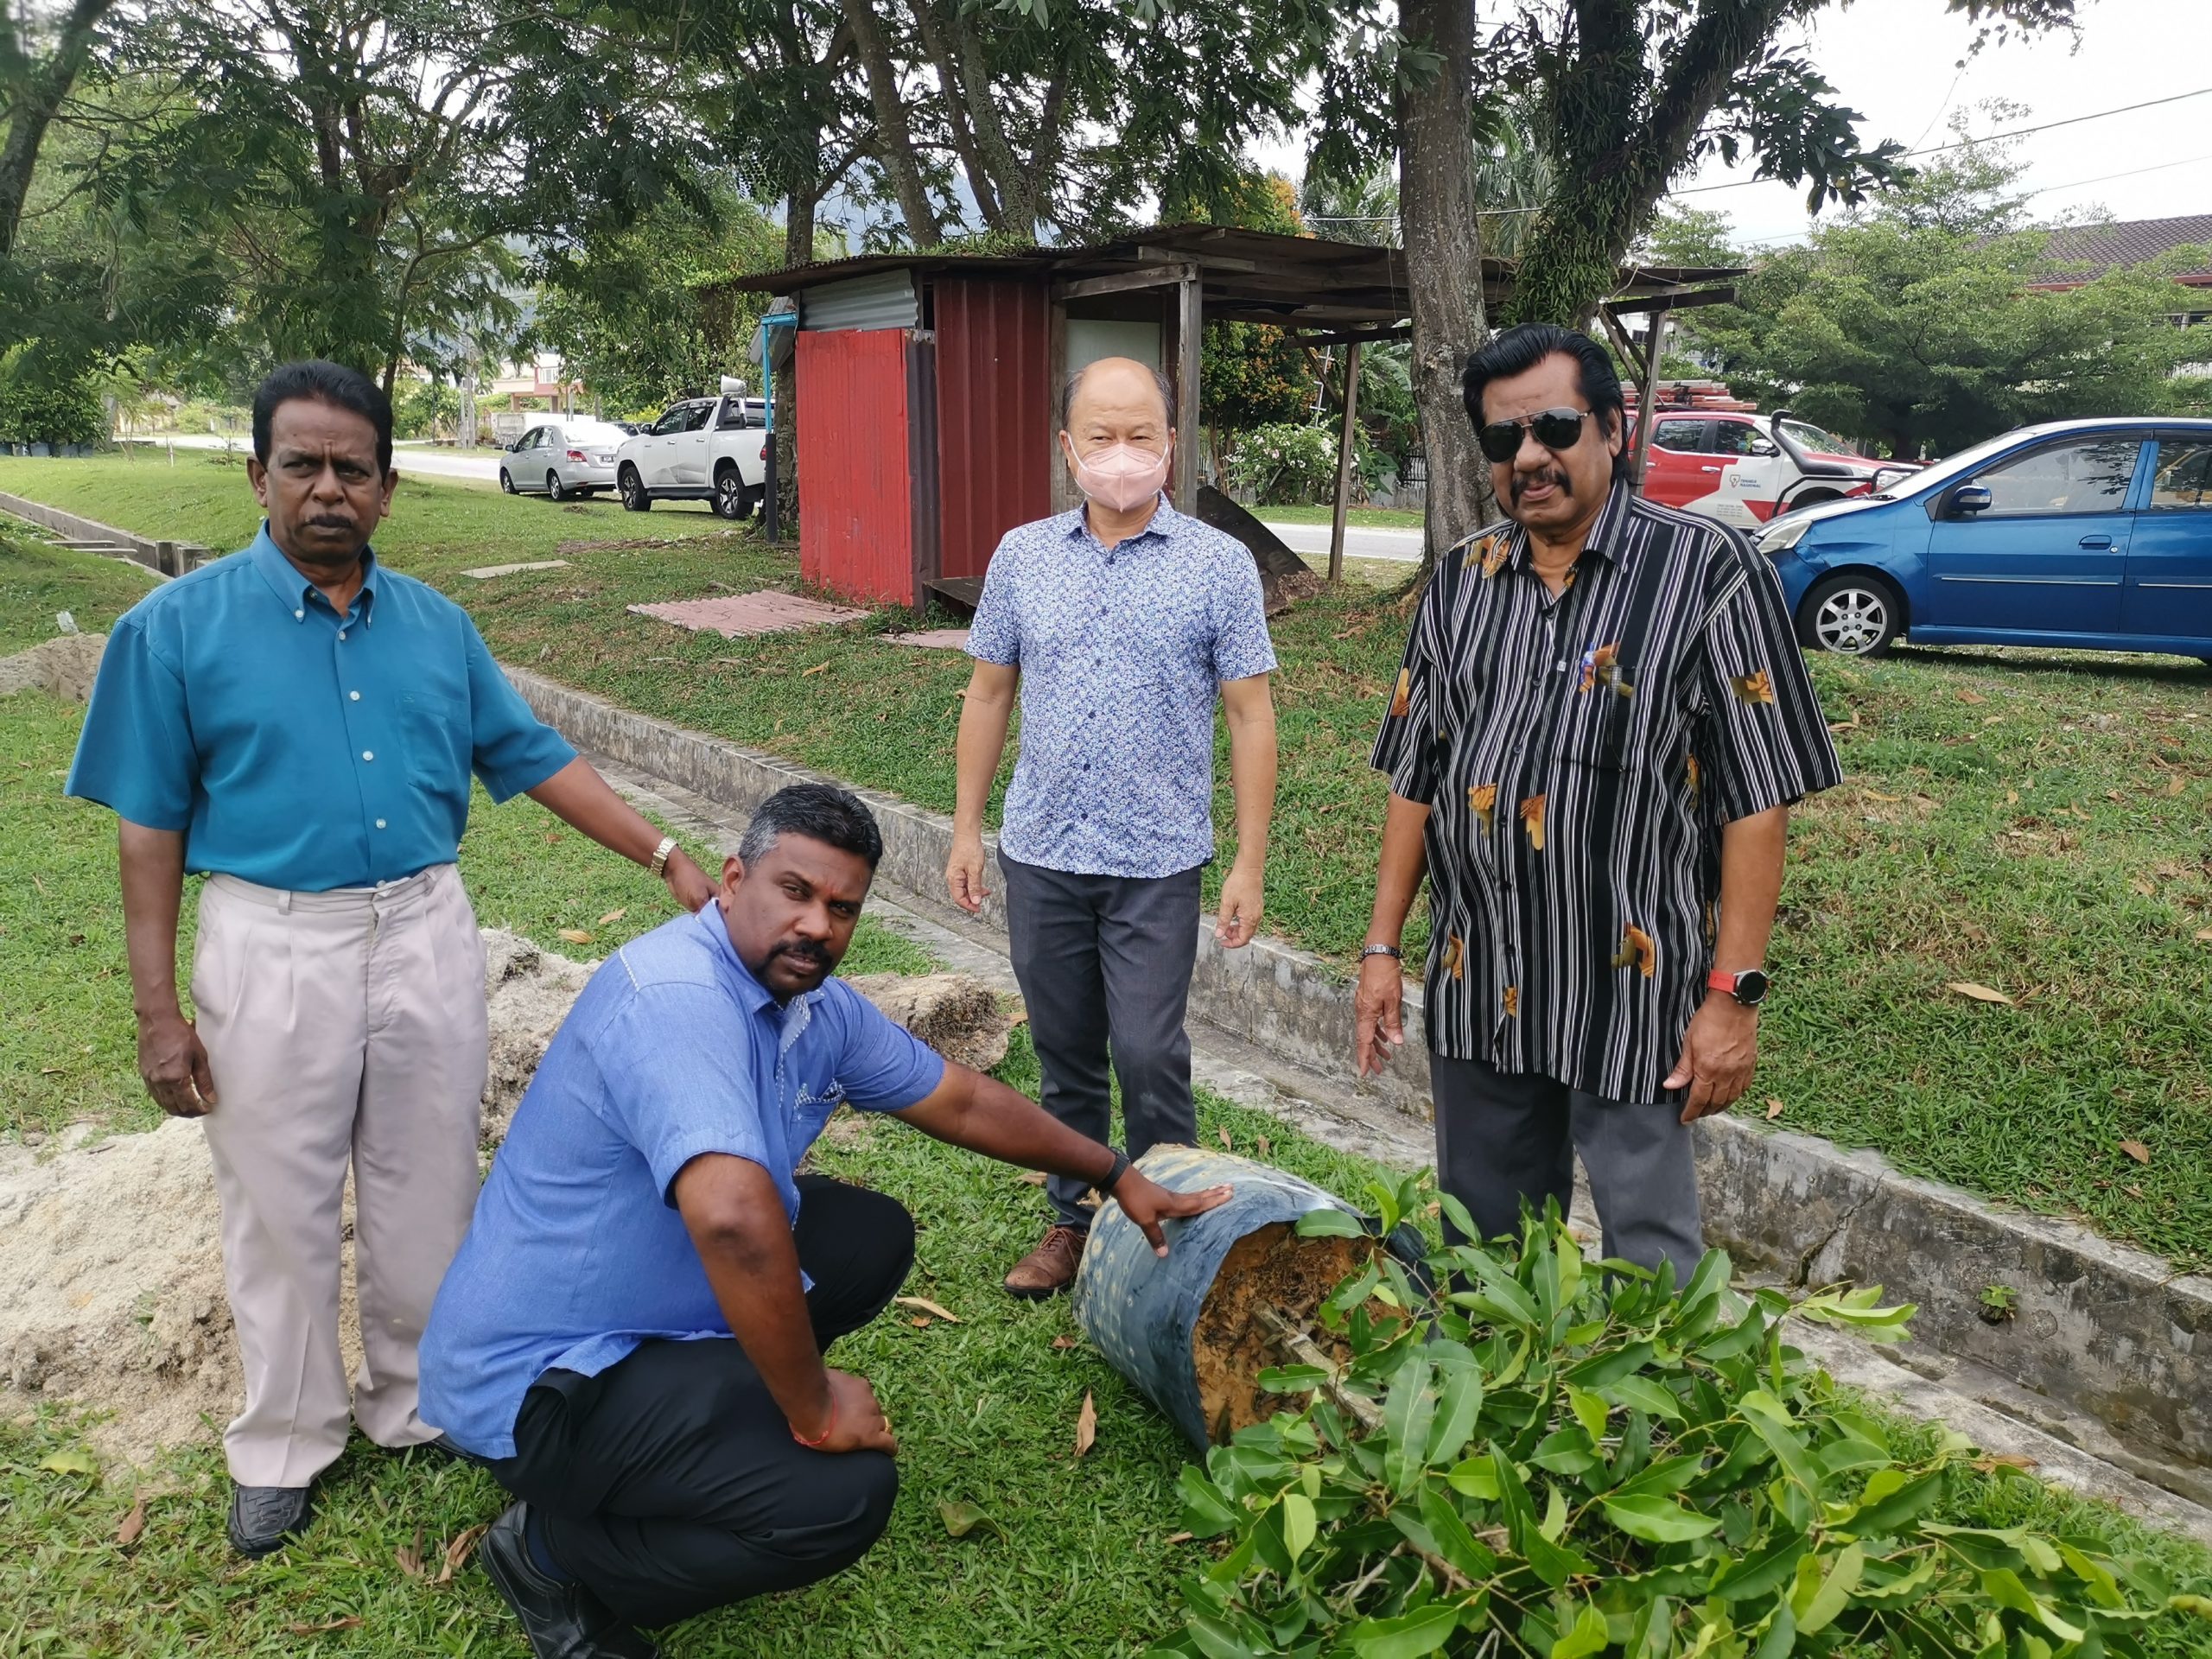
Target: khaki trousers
pixel 344 1026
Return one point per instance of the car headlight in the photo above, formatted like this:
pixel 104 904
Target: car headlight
pixel 1781 535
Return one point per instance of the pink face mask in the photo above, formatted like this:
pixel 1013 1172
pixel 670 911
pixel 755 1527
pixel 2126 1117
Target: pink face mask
pixel 1120 477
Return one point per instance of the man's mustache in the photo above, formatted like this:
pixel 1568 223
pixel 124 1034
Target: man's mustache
pixel 813 955
pixel 1551 475
pixel 332 521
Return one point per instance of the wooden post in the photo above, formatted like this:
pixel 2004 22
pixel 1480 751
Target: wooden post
pixel 1190 336
pixel 1056 374
pixel 1647 395
pixel 1343 463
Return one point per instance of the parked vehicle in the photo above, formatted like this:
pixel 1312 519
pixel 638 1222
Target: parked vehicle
pixel 1745 469
pixel 568 456
pixel 2090 534
pixel 711 449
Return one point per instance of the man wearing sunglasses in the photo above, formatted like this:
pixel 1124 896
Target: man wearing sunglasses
pixel 1600 723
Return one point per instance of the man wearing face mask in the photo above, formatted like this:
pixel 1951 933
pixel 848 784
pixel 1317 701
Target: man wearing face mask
pixel 1118 623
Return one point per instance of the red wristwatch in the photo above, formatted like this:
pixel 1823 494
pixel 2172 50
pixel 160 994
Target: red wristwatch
pixel 1749 987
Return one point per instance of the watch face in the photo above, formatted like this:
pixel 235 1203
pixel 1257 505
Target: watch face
pixel 1752 986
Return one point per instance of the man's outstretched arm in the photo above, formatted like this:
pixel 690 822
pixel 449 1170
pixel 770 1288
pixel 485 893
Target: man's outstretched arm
pixel 969 1109
pixel 738 1225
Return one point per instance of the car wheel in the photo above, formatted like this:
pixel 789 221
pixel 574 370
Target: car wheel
pixel 729 494
pixel 554 486
pixel 635 497
pixel 1852 614
pixel 506 482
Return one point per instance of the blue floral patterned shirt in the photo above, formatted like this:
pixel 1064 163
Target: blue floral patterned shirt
pixel 1122 655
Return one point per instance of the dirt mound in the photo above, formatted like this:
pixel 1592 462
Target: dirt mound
pixel 111 1253
pixel 63 665
pixel 957 1014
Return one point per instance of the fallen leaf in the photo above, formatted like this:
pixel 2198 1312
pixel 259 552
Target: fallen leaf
pixel 1773 1108
pixel 1063 1343
pixel 1992 1460
pixel 2133 1190
pixel 1979 993
pixel 2011 797
pixel 133 1524
pixel 2205 934
pixel 1033 1177
pixel 552 836
pixel 2148 889
pixel 1993 720
pixel 1845 725
pixel 1265 1145
pixel 410 1556
pixel 457 1552
pixel 70 1460
pixel 1227 1144
pixel 611 915
pixel 1972 696
pixel 1086 1426
pixel 922 1304
pixel 575 936
pixel 922 1323
pixel 963 1518
pixel 2176 784
pixel 351 1623
pixel 1179 1537
pixel 2136 1150
pixel 49 1071
pixel 1877 795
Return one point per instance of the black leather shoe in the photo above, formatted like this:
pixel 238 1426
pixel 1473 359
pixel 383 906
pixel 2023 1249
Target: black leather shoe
pixel 563 1621
pixel 263 1519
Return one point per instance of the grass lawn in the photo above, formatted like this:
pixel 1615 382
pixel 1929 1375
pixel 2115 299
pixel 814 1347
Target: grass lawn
pixel 1364 518
pixel 2034 822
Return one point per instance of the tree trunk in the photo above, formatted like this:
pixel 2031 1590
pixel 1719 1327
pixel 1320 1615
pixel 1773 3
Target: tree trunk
pixel 1436 203
pixel 952 91
pixel 1019 187
pixel 33 106
pixel 899 158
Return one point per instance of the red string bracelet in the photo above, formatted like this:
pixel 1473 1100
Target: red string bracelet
pixel 816 1443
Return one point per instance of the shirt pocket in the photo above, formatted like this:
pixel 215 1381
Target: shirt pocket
pixel 434 734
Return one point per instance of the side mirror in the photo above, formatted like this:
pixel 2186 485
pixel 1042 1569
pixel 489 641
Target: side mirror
pixel 1761 447
pixel 1970 498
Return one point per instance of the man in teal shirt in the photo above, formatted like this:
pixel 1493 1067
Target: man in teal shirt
pixel 300 724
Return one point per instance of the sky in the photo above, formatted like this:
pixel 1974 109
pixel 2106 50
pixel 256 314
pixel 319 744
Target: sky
pixel 1898 62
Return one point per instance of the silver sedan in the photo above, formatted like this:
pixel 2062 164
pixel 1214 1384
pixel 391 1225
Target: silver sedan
pixel 567 457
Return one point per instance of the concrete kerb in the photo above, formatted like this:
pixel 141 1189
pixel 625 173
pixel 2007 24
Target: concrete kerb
pixel 163 558
pixel 2096 1328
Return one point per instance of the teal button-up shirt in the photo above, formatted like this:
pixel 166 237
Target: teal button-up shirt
pixel 297 749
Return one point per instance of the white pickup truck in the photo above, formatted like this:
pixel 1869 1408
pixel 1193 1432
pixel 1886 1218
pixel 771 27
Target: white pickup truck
pixel 710 449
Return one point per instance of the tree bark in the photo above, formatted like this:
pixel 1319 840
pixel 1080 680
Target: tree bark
pixel 1436 204
pixel 1018 187
pixel 952 91
pixel 900 160
pixel 33 105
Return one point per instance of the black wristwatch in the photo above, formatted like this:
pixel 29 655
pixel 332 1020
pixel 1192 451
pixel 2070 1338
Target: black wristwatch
pixel 1113 1176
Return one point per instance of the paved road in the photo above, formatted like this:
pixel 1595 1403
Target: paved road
pixel 1312 543
pixel 408 457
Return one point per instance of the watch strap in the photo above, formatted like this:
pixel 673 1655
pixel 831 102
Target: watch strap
pixel 1113 1177
pixel 1389 950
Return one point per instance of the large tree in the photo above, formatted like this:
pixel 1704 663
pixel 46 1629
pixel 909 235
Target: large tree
pixel 42 52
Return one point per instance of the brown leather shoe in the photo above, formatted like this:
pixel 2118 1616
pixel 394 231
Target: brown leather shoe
pixel 1050 1268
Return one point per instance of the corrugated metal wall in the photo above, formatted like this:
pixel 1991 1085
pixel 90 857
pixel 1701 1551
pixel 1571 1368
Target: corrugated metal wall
pixel 856 515
pixel 993 414
pixel 882 300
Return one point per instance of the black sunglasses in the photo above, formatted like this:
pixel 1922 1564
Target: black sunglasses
pixel 1555 429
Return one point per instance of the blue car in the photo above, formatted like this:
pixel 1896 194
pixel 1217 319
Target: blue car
pixel 2095 535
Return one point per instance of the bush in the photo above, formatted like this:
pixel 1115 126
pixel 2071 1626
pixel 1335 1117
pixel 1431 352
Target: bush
pixel 33 411
pixel 1562 1463
pixel 1282 464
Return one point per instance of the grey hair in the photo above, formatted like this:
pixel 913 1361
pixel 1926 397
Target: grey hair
pixel 1164 386
pixel 821 813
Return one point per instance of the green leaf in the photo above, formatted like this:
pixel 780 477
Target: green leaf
pixel 1668 1475
pixel 1887 1513
pixel 1407 1636
pixel 1565 1451
pixel 1555 1520
pixel 1217 1641
pixel 1206 1512
pixel 1406 1416
pixel 70 1460
pixel 1456 1413
pixel 1329 1222
pixel 2200 1606
pixel 1587 1637
pixel 1386 1205
pixel 1602 1371
pixel 2002 1586
pixel 1641 1393
pixel 1781 1639
pixel 1477 1477
pixel 1298 1523
pixel 963 1518
pixel 1454 1541
pixel 1506 1292
pixel 1770 1419
pixel 2104 1589
pixel 1589 1411
pixel 1292 1379
pixel 1457 1214
pixel 1657 1521
pixel 1763 1572
pixel 1818 1602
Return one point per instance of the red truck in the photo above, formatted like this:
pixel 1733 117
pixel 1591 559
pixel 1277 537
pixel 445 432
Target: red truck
pixel 1745 469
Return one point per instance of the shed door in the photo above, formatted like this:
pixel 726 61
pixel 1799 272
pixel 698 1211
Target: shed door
pixel 993 416
pixel 856 436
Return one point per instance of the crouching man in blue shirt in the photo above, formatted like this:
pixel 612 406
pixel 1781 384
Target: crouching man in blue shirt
pixel 646 1205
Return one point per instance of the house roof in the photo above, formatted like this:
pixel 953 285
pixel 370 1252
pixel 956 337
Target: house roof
pixel 2078 254
pixel 1248 276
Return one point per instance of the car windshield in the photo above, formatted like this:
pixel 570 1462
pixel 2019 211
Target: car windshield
pixel 1814 438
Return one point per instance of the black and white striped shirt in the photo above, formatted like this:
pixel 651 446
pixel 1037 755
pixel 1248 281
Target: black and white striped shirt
pixel 1579 755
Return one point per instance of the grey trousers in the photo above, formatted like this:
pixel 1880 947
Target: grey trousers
pixel 1501 1138
pixel 1104 964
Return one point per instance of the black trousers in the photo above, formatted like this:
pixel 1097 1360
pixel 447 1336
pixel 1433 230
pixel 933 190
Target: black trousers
pixel 670 1483
pixel 1104 962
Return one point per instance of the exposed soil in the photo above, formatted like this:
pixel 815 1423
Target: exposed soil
pixel 1230 1347
pixel 957 1014
pixel 63 665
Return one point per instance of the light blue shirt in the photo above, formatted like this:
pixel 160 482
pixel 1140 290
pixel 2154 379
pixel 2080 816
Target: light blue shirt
pixel 296 747
pixel 577 1253
pixel 1122 655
